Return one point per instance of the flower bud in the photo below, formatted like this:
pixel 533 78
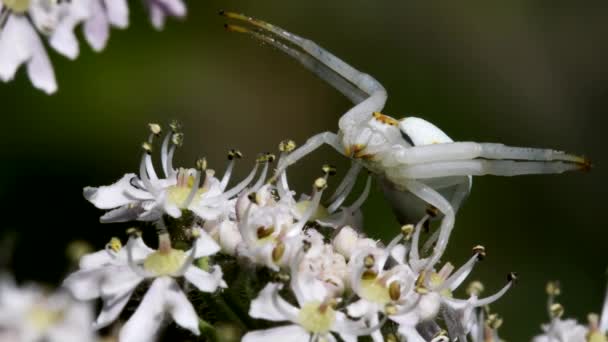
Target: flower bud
pixel 229 237
pixel 346 241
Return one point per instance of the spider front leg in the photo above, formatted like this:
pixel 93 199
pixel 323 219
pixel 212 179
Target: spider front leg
pixel 311 145
pixel 434 198
pixel 480 167
pixel 471 150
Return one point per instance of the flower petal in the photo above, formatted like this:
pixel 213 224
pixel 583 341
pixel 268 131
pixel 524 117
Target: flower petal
pixel 15 45
pixel 204 281
pixel 63 39
pixel 291 333
pixel 118 12
pixel 97 27
pixel 145 322
pixel 40 70
pixel 84 284
pixel 181 309
pixel 19 43
pixel 270 306
pixel 110 196
pixel 125 213
pixel 205 245
pixel 96 259
pixel 119 279
pixel 112 307
pixel 359 308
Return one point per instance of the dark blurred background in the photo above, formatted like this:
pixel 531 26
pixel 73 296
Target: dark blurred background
pixel 527 73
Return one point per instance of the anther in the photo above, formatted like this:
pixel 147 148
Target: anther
pixel 234 154
pixel 201 164
pixel 594 320
pixel 275 194
pixel 494 321
pixel 480 251
pixel 175 126
pixel 391 338
pixel 394 290
pixel 419 285
pixel 369 275
pixel 553 289
pixel 147 147
pixel 329 170
pixel 475 288
pixel 263 232
pixel 369 261
pixel 177 139
pixel 287 145
pixel 556 310
pixel 391 309
pixel 282 277
pixel 270 157
pixel 155 128
pixel 261 158
pixel 512 277
pixel 441 336
pixel 320 184
pixel 114 244
pixel 278 252
pixel 195 233
pixel 134 232
pixel 306 246
pixel 407 231
pixel 252 198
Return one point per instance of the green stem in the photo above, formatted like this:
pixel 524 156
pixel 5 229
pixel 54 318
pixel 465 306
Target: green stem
pixel 207 329
pixel 219 300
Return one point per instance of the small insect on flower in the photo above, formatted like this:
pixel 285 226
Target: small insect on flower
pixel 419 165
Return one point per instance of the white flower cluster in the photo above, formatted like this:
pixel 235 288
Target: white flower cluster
pixel 30 314
pixel 329 280
pixel 23 22
pixel 312 274
pixel 569 330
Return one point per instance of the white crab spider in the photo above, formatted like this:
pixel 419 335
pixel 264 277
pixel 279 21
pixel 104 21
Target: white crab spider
pixel 413 158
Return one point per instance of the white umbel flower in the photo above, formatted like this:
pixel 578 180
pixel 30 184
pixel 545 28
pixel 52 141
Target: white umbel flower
pixel 147 197
pixel 21 24
pixel 107 274
pixel 314 319
pixel 28 314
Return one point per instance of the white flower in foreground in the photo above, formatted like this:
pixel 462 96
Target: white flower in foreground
pixel 160 9
pixel 22 22
pixel 28 314
pixel 107 274
pixel 315 318
pixel 380 291
pixel 324 264
pixel 148 197
pixel 348 241
pixel 271 230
